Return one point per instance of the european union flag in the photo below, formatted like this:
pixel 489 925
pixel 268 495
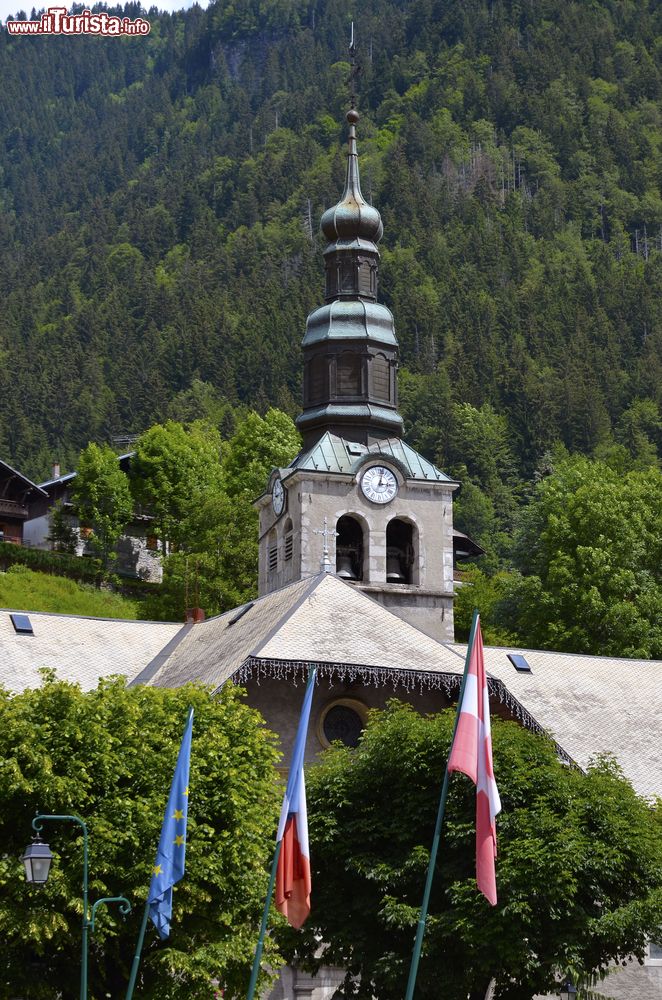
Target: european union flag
pixel 169 864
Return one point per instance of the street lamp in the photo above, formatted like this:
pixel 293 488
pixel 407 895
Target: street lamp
pixel 37 862
pixel 568 991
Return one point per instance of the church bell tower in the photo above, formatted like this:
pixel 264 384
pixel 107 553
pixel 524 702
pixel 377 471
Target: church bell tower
pixel 358 501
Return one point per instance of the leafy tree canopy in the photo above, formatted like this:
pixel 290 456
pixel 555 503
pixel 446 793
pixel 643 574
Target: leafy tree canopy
pixel 102 497
pixel 215 565
pixel 589 548
pixel 176 468
pixel 579 871
pixel 109 756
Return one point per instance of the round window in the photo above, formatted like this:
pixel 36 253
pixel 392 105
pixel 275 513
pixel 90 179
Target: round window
pixel 343 720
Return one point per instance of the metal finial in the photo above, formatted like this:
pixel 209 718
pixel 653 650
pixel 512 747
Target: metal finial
pixel 325 564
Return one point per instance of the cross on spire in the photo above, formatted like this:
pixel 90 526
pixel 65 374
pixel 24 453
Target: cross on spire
pixel 325 565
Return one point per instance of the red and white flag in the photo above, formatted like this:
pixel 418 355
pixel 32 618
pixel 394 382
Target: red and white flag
pixel 471 753
pixel 293 883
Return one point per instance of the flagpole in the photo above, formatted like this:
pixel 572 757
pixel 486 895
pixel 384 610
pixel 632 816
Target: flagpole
pixel 270 889
pixel 143 927
pixel 263 928
pixel 420 929
pixel 136 957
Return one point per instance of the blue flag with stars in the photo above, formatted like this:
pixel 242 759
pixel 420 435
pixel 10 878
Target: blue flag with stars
pixel 169 864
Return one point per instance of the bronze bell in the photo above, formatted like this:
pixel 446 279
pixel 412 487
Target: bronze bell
pixel 394 572
pixel 345 565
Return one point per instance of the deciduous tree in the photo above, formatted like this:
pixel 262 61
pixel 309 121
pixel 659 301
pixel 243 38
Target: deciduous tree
pixel 579 870
pixel 109 756
pixel 102 497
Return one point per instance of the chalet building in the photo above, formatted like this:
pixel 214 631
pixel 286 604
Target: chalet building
pixel 138 548
pixel 18 495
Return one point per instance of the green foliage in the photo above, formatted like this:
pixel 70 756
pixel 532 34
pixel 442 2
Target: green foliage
pixel 102 498
pixel 109 756
pixel 21 588
pixel 589 547
pixel 514 150
pixel 579 871
pixel 58 563
pixel 62 535
pixel 215 565
pixel 479 590
pixel 175 469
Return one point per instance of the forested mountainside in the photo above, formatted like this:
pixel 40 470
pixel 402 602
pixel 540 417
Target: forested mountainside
pixel 160 199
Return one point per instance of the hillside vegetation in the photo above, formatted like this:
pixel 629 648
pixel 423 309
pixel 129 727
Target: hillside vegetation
pixel 22 589
pixel 160 199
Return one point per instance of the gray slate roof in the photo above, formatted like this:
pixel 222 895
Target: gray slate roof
pixel 320 620
pixel 634 982
pixel 592 704
pixel 589 704
pixel 79 649
pixel 333 454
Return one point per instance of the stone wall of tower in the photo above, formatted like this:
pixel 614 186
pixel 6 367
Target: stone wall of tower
pixel 426 602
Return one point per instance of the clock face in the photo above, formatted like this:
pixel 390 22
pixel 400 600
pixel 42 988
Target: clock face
pixel 379 484
pixel 278 498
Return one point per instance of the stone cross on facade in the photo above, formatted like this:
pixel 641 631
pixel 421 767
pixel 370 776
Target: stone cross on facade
pixel 325 565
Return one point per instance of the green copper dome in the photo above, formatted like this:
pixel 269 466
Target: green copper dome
pixel 349 319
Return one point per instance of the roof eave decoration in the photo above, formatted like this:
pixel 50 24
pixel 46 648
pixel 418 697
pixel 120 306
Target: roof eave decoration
pixel 256 668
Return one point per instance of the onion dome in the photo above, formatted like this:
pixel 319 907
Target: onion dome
pixel 352 218
pixel 350 351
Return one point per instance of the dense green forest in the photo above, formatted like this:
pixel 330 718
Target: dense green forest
pixel 159 253
pixel 160 198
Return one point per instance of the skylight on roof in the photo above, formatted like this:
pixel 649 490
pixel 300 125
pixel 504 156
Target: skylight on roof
pixel 519 662
pixel 241 612
pixel 22 624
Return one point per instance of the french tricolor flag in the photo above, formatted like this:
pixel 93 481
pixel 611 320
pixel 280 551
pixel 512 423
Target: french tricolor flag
pixel 471 753
pixel 293 873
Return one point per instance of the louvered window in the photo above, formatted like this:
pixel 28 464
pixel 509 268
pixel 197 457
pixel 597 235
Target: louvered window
pixel 381 378
pixel 317 375
pixel 348 378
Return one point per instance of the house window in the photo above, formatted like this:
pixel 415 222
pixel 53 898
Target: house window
pixel 365 278
pixel 152 543
pixel 654 953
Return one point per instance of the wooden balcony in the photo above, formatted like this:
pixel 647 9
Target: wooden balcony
pixel 12 509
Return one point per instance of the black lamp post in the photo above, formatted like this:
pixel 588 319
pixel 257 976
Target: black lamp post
pixel 37 862
pixel 568 991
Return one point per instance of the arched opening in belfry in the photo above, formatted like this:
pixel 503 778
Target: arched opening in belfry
pixel 400 551
pixel 349 548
